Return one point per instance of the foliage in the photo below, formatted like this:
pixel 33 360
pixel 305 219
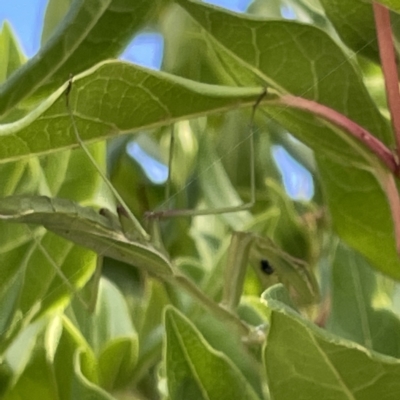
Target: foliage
pixel 181 311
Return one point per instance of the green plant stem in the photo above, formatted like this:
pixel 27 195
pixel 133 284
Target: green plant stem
pixel 389 67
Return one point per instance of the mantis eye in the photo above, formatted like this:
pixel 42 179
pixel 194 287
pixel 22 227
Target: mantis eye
pixel 266 267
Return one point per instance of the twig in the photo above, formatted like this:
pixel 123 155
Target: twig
pixel 389 186
pixel 345 123
pixel 389 67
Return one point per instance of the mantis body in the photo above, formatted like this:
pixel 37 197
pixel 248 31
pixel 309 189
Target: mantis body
pixel 105 233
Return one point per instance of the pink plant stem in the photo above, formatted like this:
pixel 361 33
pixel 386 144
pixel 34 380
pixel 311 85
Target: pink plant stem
pixel 389 67
pixel 341 121
pixel 389 186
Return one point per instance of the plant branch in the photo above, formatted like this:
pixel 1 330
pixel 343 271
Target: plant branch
pixel 345 123
pixel 389 186
pixel 389 67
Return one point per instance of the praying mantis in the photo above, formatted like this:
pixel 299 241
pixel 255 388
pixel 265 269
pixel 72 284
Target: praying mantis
pixel 123 238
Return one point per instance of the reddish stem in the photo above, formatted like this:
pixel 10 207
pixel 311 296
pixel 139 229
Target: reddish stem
pixel 389 186
pixel 341 121
pixel 389 67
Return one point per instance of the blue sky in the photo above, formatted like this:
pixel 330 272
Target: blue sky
pixel 26 18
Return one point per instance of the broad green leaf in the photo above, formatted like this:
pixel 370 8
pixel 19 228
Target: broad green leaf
pixel 287 56
pixel 19 354
pixel 117 361
pixel 82 388
pixel 37 289
pixel 70 174
pixel 392 4
pixel 303 360
pixel 253 310
pixel 43 287
pixel 194 369
pixel 331 79
pixel 5 377
pixel 55 12
pixel 91 32
pixel 11 55
pixel 73 361
pixel 353 314
pixel 37 378
pixel 113 98
pixel 111 335
pixel 228 342
pixel 32 260
pixel 150 326
pixel 12 58
pixel 110 319
pixel 34 278
pixel 354 22
pixel 9 299
pixel 309 11
pixel 185 52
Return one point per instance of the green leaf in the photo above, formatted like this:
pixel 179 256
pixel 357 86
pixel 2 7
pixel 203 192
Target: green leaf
pixel 9 293
pixel 82 388
pixel 41 359
pixel 32 259
pixel 261 45
pixel 303 360
pixel 10 52
pixel 37 378
pixel 5 377
pixel 63 348
pixel 354 314
pixel 54 369
pixel 110 320
pixel 287 56
pixel 354 22
pixel 18 355
pixel 113 98
pixel 34 277
pixel 111 335
pixel 150 326
pixel 117 361
pixel 231 344
pixel 55 12
pixel 194 369
pixel 393 4
pixel 89 33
